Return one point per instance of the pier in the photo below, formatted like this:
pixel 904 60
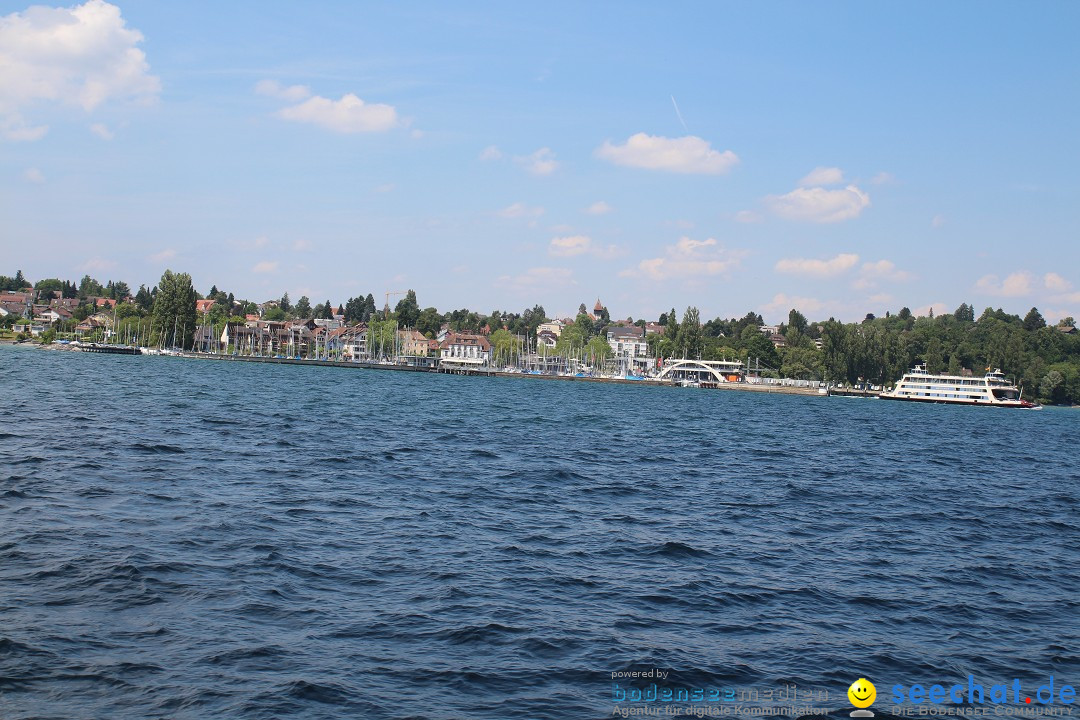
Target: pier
pixel 110 349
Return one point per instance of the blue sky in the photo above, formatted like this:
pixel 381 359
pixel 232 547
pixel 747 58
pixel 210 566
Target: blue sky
pixel 841 158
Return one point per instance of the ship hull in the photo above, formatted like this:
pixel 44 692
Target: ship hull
pixel 1017 404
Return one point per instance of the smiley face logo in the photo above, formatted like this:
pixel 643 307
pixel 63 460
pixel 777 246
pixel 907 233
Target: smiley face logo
pixel 862 693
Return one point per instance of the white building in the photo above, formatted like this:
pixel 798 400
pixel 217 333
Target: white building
pixel 628 341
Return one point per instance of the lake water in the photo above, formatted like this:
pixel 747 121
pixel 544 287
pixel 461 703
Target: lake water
pixel 192 539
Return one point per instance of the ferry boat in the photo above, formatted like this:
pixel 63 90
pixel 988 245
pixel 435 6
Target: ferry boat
pixel 991 390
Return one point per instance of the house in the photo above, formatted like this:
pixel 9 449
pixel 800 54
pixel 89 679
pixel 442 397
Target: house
pixel 203 306
pixel 654 329
pixel 102 302
pixel 22 298
pixel 461 346
pixel 89 325
pixel 412 342
pixel 547 338
pixel 627 341
pixel 354 343
pixel 12 308
pixel 204 339
pixel 50 315
pixel 555 327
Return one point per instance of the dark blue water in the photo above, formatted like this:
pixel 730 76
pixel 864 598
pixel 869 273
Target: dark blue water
pixel 191 539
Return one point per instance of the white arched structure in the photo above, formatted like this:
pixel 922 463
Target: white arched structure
pixel 718 369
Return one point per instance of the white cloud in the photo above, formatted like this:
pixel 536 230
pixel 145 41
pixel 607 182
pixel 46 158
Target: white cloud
pixel 598 208
pixel 570 245
pixel 883 270
pixel 819 205
pixel 747 217
pixel 822 176
pixel 14 128
pixel 350 114
pixel 882 178
pixel 689 154
pixel 33 175
pixel 939 308
pixel 1015 285
pixel 163 256
pixel 102 131
pixel 83 55
pixel 1056 283
pixel 97 264
pixel 881 298
pixel 573 245
pixel 274 89
pixel 541 162
pixel 937 221
pixel 491 153
pixel 549 277
pixel 818 268
pixel 301 245
pixel 385 187
pixel 688 258
pixel 520 210
pixel 784 303
pixel 266 266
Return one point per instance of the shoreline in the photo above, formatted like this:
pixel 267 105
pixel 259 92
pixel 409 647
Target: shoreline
pixel 746 387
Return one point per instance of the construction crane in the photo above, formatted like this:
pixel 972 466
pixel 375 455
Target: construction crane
pixel 386 307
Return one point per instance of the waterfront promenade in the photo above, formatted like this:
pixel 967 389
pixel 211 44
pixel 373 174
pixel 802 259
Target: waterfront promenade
pixel 763 385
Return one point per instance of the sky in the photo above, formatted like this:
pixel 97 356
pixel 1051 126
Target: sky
pixel 838 158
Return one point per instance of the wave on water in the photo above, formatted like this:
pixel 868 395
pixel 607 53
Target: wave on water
pixel 278 548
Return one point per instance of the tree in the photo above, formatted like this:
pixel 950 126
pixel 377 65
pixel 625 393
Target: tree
pixel 48 286
pixel 502 346
pixel 688 340
pixel 381 335
pixel 1034 320
pixel 283 303
pixel 118 290
pixel 796 321
pixel 89 287
pixel 407 310
pixel 584 323
pixel 327 311
pixel 533 318
pixel 598 350
pixel 571 340
pixel 274 314
pixel 174 309
pixel 965 313
pixel 303 307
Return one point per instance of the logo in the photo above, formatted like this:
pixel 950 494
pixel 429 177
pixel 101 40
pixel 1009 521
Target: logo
pixel 862 694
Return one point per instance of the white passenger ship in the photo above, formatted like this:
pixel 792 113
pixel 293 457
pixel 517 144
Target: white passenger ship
pixel 991 390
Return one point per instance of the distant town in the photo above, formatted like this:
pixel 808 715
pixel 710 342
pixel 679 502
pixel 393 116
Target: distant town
pixel 173 317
